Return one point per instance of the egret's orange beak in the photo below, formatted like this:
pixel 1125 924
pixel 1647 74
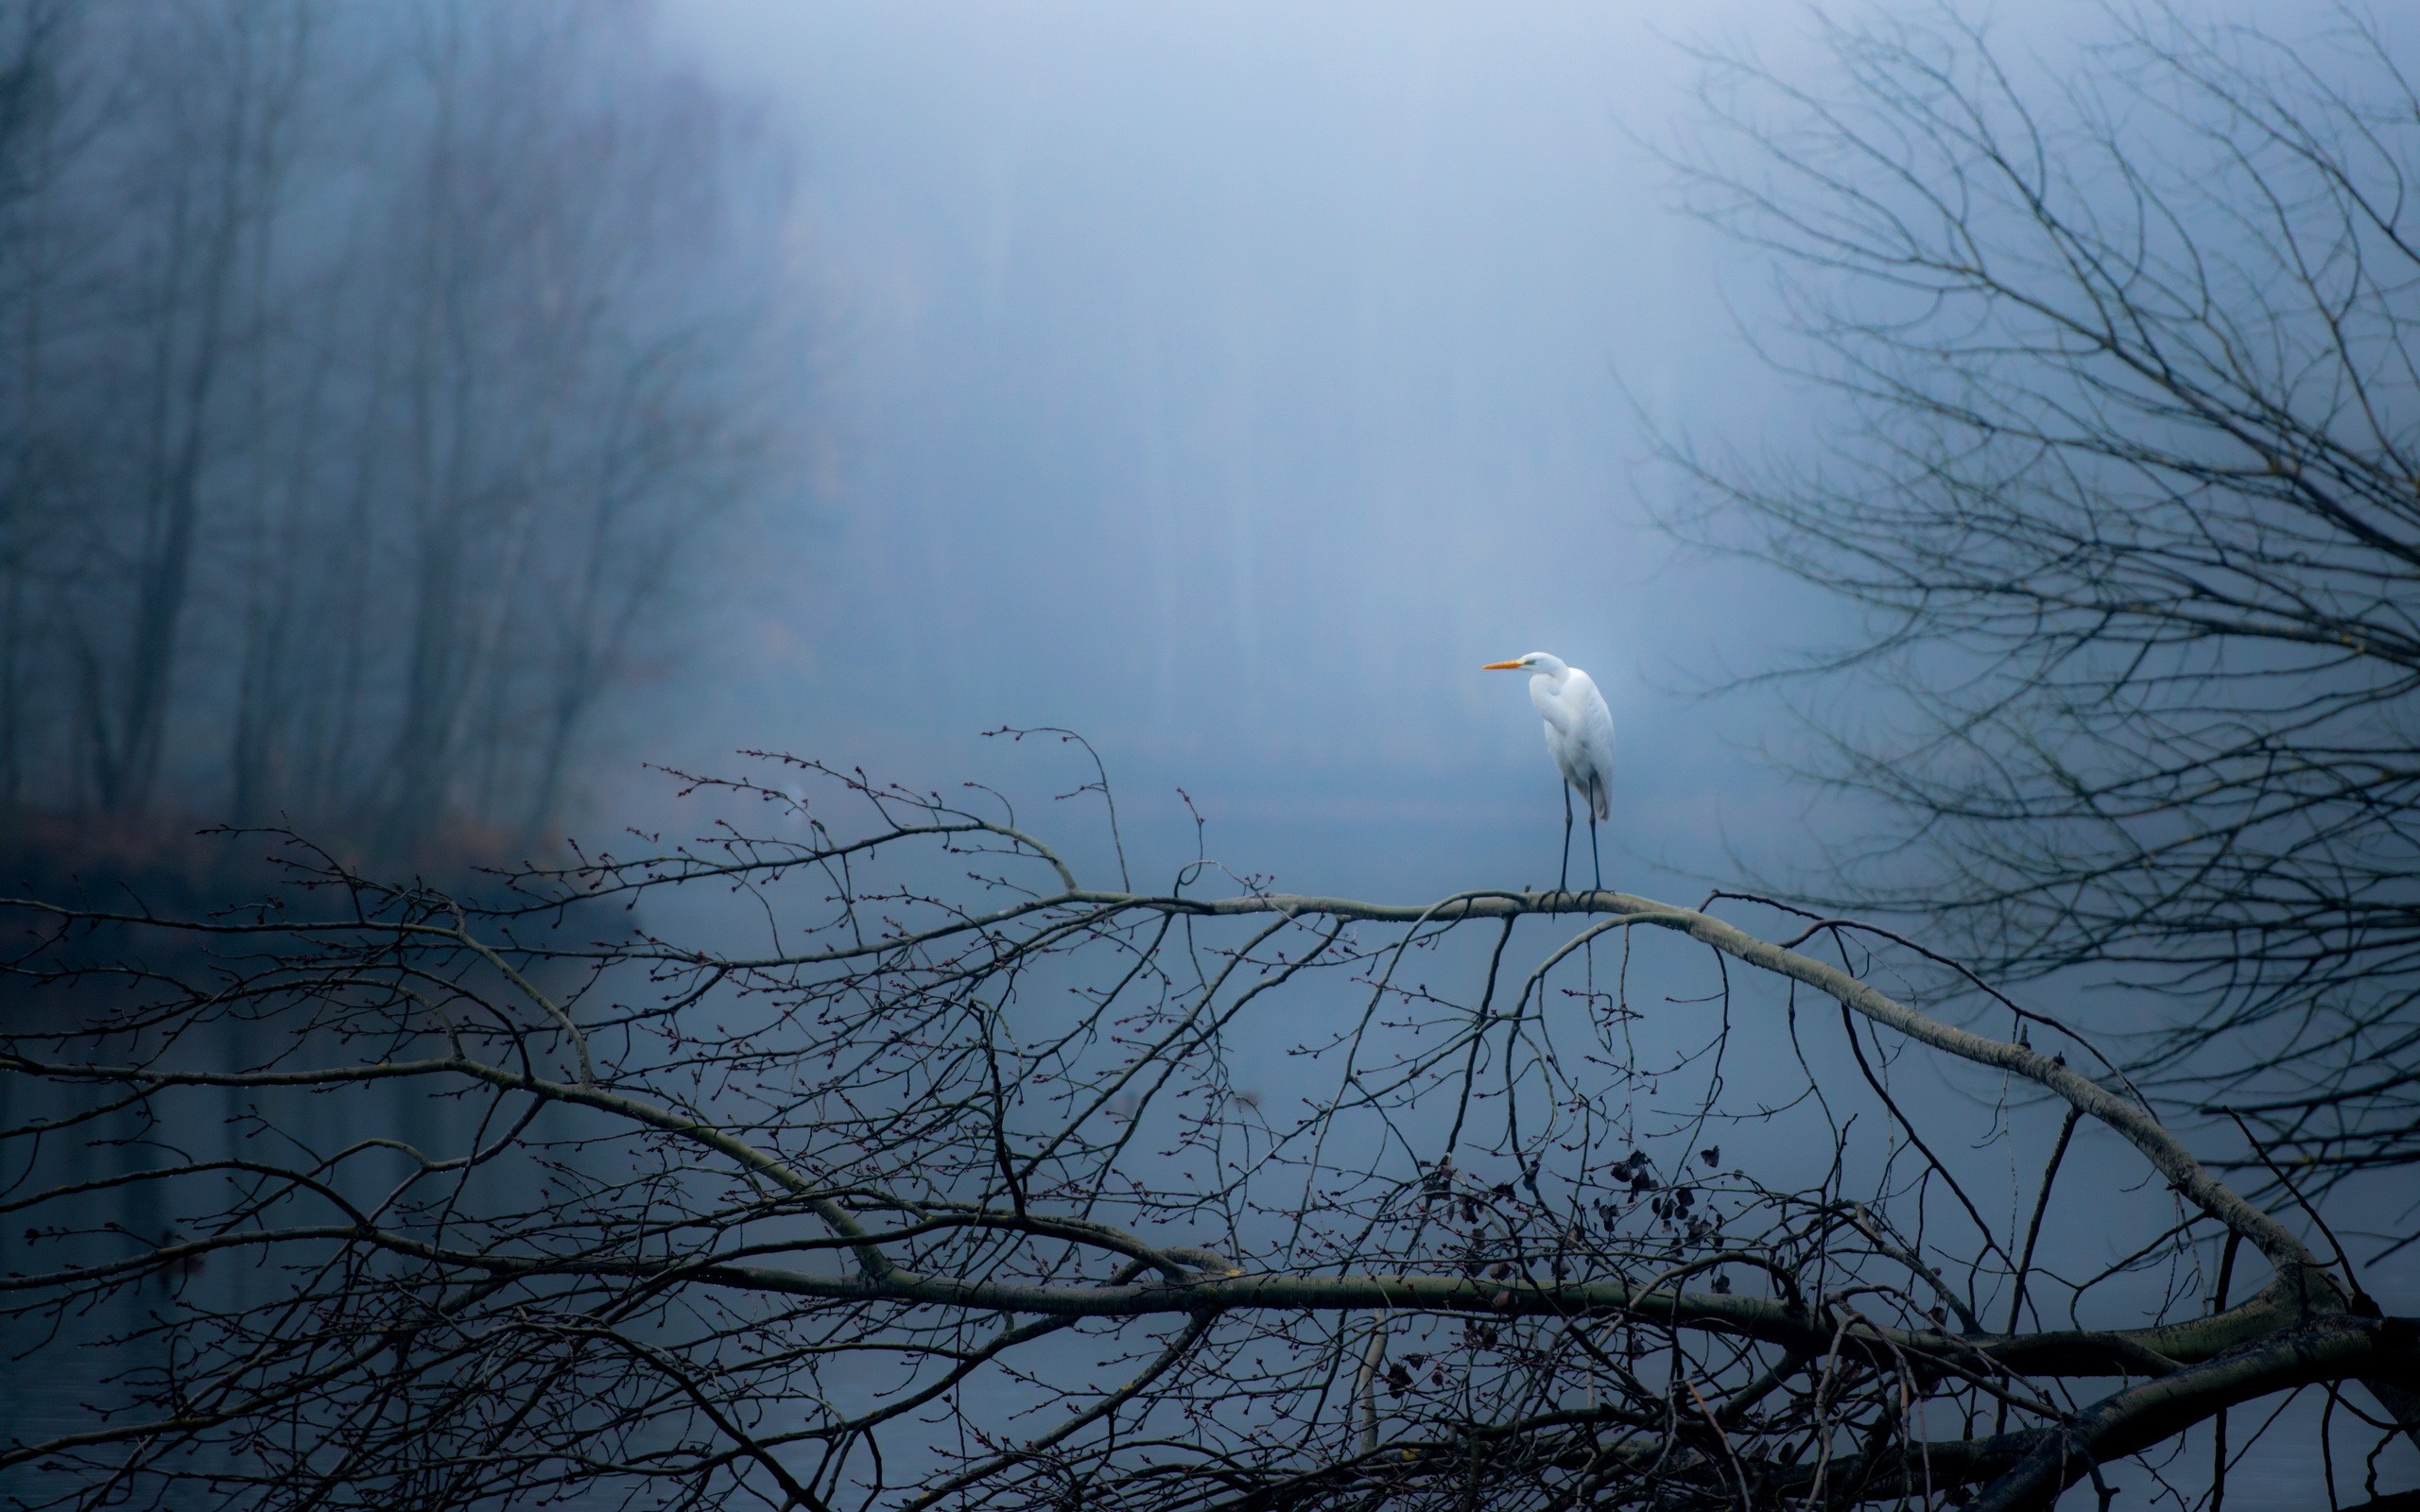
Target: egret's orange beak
pixel 1501 666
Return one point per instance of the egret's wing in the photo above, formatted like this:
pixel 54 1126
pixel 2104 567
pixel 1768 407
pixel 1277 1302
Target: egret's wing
pixel 1563 732
pixel 1596 737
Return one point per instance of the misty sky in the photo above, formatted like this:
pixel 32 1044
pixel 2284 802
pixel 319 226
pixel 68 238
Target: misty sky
pixel 1228 383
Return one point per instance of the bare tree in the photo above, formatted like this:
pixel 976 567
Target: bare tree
pixel 376 375
pixel 28 105
pixel 940 1176
pixel 2124 477
pixel 579 404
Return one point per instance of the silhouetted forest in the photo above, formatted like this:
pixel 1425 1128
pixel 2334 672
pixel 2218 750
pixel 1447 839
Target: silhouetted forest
pixel 373 379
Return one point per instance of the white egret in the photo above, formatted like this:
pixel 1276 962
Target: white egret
pixel 1579 737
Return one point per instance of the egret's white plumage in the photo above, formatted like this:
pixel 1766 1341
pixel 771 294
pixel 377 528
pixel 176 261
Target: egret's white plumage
pixel 1579 737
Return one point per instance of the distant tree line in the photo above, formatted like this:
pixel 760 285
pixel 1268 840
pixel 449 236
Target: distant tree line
pixel 369 376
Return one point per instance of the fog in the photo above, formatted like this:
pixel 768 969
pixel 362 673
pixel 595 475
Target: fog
pixel 1228 385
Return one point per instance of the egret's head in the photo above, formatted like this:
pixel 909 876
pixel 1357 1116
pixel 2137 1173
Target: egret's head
pixel 1536 662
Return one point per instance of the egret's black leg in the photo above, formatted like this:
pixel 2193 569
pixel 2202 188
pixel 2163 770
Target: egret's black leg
pixel 1563 878
pixel 1592 862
